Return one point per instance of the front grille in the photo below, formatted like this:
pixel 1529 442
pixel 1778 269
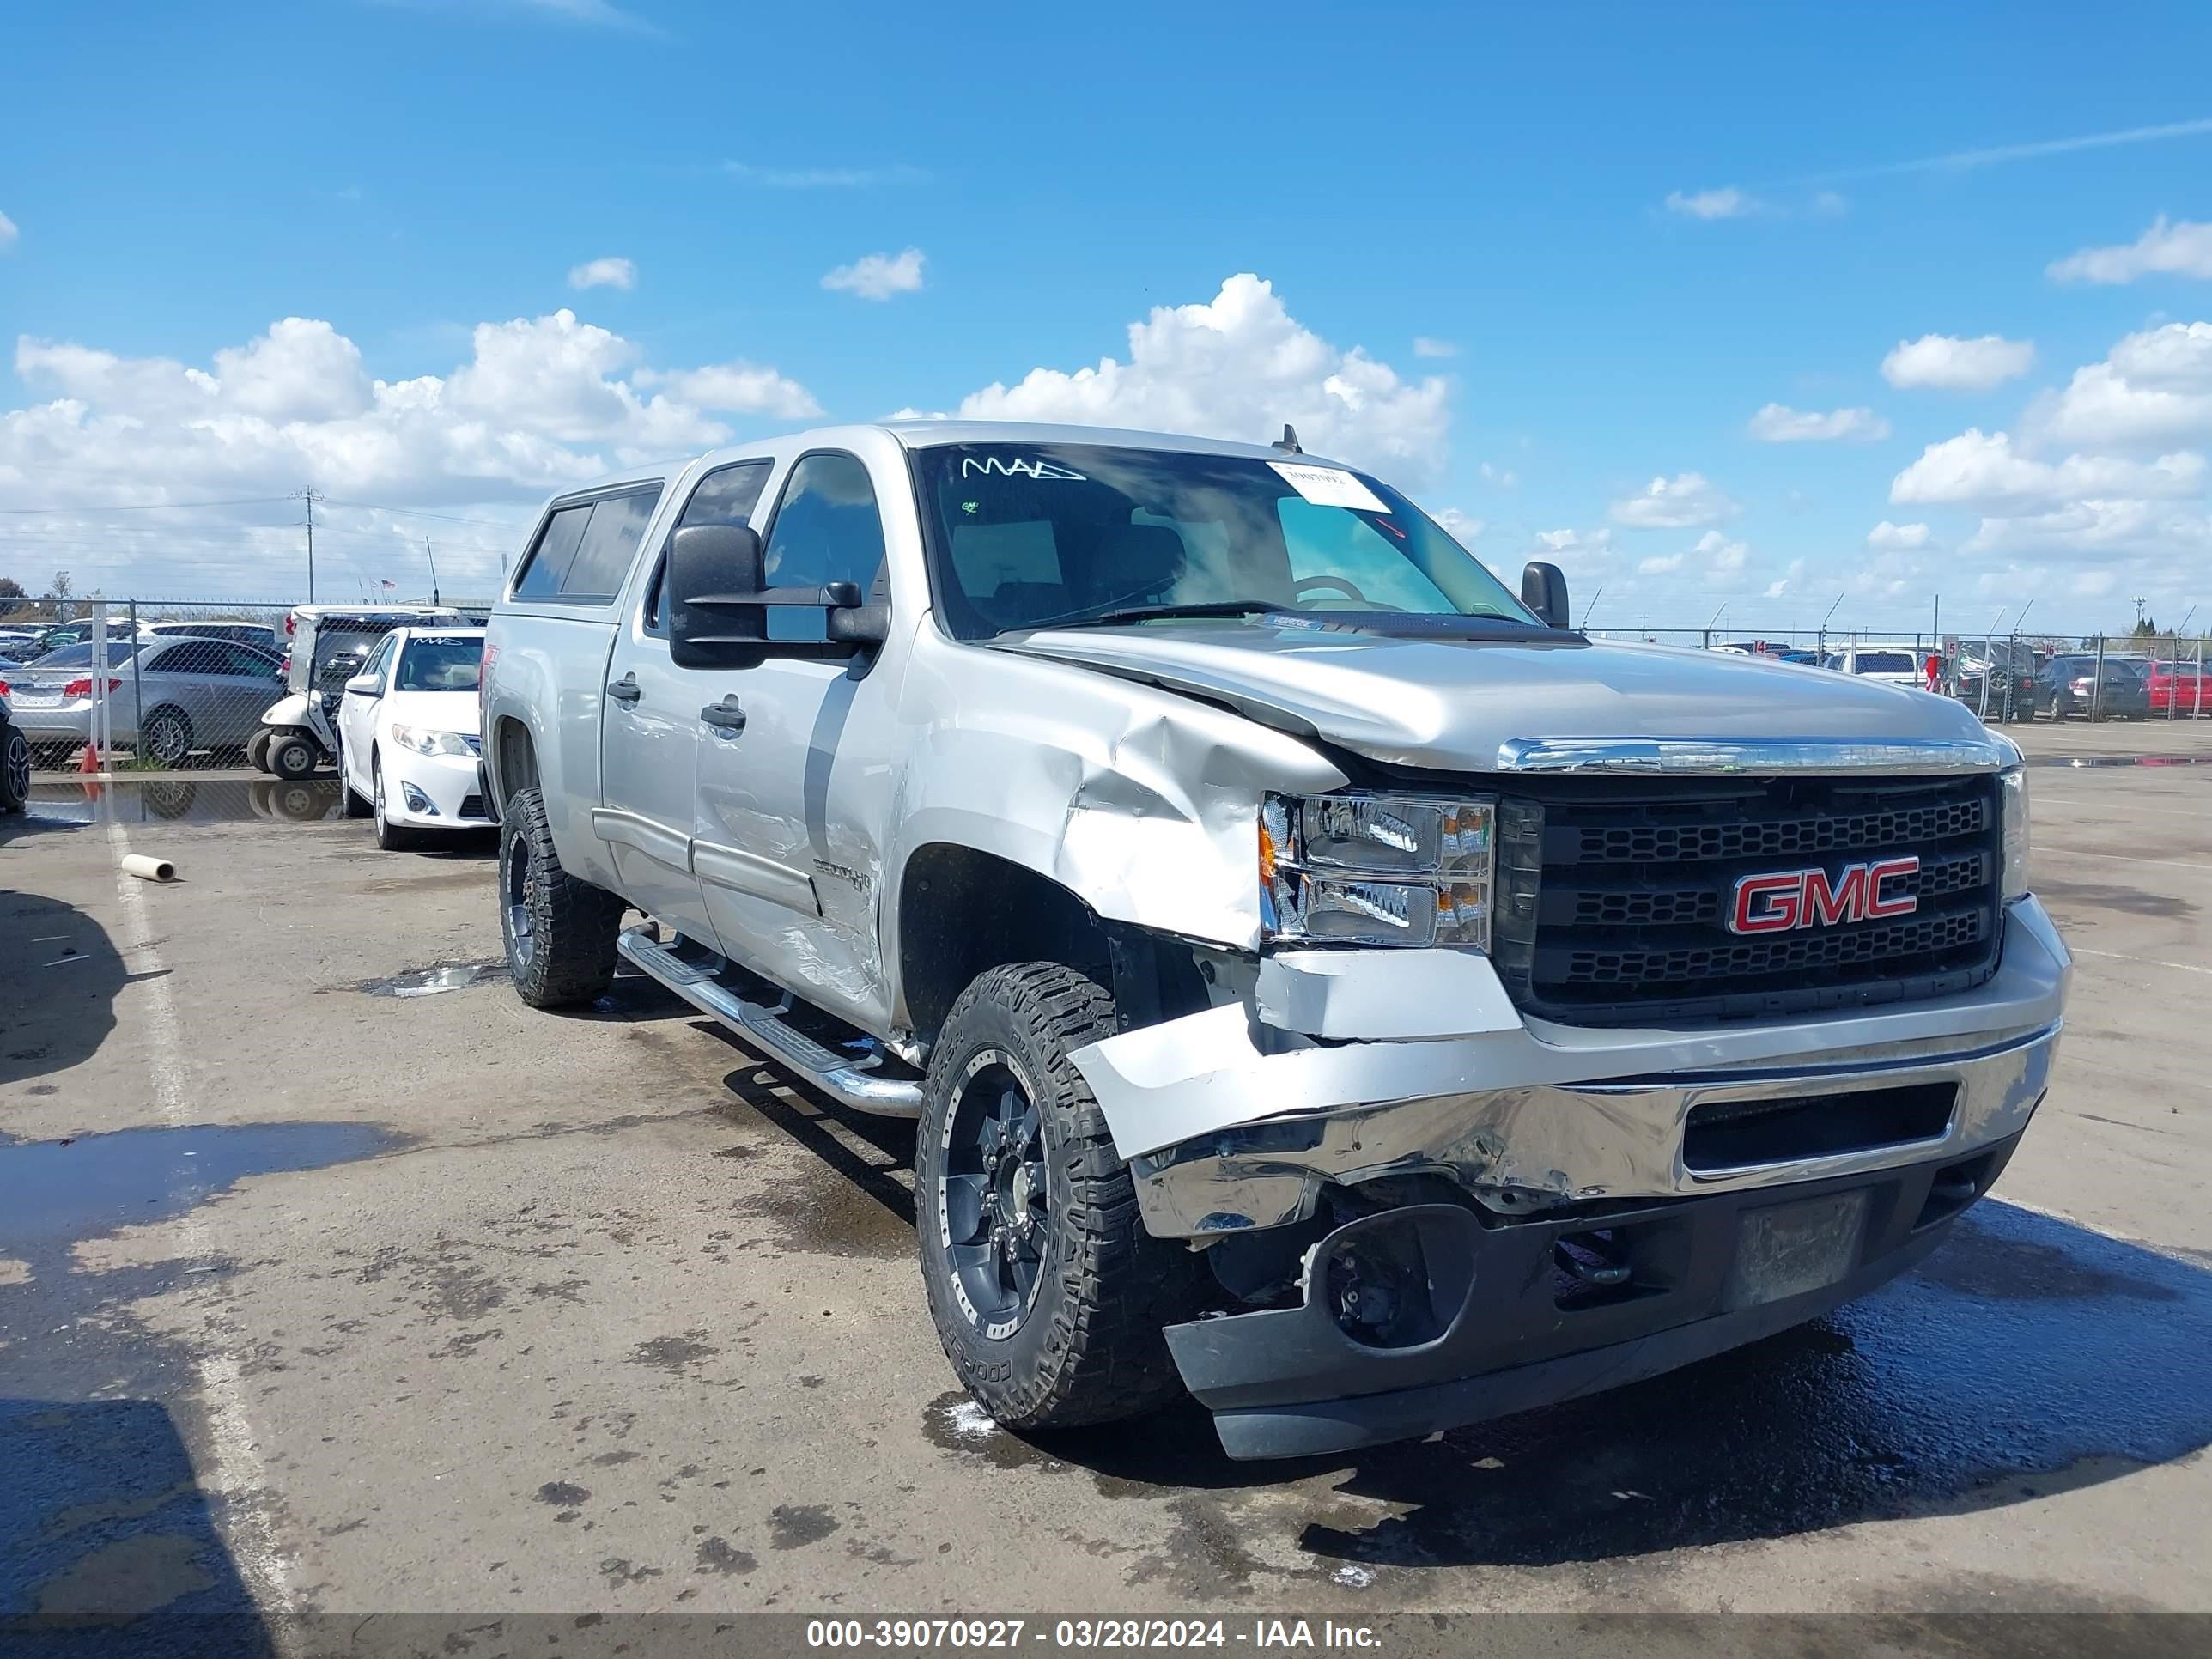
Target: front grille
pixel 1613 895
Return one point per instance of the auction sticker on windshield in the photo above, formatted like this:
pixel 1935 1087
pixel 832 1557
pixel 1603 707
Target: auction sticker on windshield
pixel 1329 486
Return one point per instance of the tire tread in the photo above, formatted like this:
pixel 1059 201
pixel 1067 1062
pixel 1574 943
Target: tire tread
pixel 1106 1358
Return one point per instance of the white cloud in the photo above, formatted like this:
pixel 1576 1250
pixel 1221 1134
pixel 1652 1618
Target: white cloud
pixel 1887 537
pixel 1426 346
pixel 1459 526
pixel 1965 161
pixel 1956 364
pixel 1777 424
pixel 2164 250
pixel 739 387
pixel 1661 565
pixel 1826 204
pixel 1239 367
pixel 2153 387
pixel 1504 478
pixel 1788 582
pixel 1722 557
pixel 604 273
pixel 1952 364
pixel 825 178
pixel 1983 469
pixel 537 405
pixel 1728 202
pixel 2096 528
pixel 1682 502
pixel 878 276
pixel 7 232
pixel 1571 541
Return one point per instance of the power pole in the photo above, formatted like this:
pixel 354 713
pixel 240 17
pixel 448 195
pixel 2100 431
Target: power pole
pixel 309 496
pixel 433 558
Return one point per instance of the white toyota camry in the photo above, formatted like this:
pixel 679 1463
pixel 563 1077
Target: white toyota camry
pixel 407 735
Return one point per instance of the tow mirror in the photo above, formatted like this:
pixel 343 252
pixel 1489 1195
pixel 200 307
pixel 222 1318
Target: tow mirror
pixel 1544 591
pixel 717 610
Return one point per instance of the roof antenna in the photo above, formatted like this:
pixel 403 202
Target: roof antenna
pixel 1288 443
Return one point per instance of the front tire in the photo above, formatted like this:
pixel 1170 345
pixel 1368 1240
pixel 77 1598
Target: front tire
pixel 1049 1295
pixel 392 837
pixel 257 750
pixel 559 930
pixel 292 755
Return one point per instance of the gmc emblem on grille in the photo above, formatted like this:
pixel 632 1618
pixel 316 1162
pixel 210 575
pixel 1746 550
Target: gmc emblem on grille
pixel 1776 903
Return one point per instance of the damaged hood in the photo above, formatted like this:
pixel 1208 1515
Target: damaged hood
pixel 1450 704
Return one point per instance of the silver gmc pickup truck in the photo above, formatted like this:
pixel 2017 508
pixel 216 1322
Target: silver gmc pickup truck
pixel 1323 980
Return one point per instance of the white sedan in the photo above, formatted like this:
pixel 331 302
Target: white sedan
pixel 407 736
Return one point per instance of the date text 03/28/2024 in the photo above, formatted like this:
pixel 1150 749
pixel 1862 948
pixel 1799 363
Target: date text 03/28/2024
pixel 918 1634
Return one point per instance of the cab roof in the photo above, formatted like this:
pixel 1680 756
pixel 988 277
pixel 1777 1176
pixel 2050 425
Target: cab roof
pixel 923 434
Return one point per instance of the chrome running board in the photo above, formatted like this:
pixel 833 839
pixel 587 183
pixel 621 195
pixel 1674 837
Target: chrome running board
pixel 698 980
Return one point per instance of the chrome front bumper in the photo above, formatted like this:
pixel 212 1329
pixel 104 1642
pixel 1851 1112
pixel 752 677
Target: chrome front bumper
pixel 1526 1117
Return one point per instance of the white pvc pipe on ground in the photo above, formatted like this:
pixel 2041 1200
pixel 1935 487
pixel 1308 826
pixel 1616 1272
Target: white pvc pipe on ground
pixel 148 869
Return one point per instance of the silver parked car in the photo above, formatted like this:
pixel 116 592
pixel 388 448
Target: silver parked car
pixel 183 695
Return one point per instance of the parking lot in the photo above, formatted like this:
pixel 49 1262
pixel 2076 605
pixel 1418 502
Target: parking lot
pixel 333 1280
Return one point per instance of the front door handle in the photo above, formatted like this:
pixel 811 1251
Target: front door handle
pixel 624 690
pixel 726 716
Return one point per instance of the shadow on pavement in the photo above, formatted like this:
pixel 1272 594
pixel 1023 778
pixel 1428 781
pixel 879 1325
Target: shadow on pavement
pixel 59 975
pixel 107 1543
pixel 2027 1356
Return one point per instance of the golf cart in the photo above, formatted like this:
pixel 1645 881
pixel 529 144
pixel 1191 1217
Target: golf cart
pixel 329 644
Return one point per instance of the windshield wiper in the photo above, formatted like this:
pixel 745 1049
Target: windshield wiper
pixel 1149 613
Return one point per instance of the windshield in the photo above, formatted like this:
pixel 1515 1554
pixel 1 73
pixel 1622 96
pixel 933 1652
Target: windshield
pixel 80 656
pixel 1031 535
pixel 436 665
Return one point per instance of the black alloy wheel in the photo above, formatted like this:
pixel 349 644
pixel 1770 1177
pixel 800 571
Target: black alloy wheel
pixel 994 1195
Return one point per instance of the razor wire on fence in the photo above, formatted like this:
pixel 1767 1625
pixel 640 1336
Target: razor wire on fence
pixel 156 685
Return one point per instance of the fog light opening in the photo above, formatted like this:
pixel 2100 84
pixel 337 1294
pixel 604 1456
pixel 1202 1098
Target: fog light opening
pixel 416 801
pixel 1377 1288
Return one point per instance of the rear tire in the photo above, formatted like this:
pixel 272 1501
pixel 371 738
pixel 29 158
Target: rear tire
pixel 166 736
pixel 14 769
pixel 1080 1342
pixel 559 930
pixel 292 755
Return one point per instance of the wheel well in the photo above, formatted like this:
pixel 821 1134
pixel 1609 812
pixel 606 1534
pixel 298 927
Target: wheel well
pixel 518 761
pixel 963 912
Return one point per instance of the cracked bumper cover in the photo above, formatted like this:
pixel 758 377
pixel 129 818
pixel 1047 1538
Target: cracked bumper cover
pixel 1234 1119
pixel 1231 1122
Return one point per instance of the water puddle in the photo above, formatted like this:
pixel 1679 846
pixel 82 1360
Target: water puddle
pixel 188 800
pixel 55 1192
pixel 435 980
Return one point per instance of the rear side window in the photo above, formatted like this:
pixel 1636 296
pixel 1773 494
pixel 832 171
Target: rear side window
pixel 827 530
pixel 584 551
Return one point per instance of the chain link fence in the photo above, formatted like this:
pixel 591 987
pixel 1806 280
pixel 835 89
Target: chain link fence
pixel 181 685
pixel 2005 678
pixel 178 685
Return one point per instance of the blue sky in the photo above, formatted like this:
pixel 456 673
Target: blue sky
pixel 1496 182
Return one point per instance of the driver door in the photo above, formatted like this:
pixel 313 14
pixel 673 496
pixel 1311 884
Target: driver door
pixel 793 758
pixel 357 716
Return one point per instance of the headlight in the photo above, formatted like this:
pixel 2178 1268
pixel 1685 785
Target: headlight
pixel 425 742
pixel 2012 792
pixel 1378 870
